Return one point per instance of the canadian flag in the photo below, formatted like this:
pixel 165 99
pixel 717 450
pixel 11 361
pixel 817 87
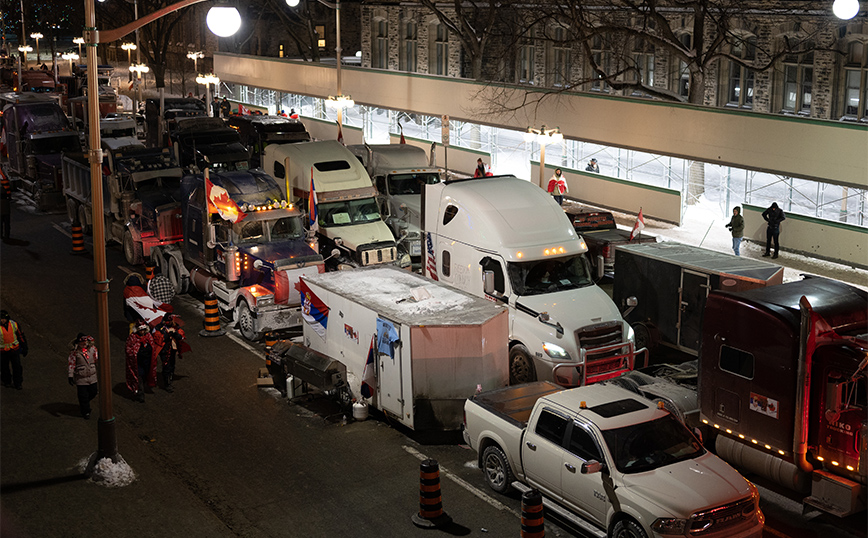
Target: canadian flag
pixel 403 141
pixel 340 135
pixel 220 200
pixel 243 110
pixel 639 226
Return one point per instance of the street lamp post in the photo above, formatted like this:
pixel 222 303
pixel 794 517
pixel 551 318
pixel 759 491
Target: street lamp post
pixel 79 41
pixel 37 36
pixel 129 47
pixel 71 56
pixel 340 101
pixel 107 442
pixel 543 136
pixel 208 80
pixel 195 56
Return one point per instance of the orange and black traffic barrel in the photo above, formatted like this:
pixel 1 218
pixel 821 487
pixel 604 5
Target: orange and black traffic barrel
pixel 77 239
pixel 532 523
pixel 431 512
pixel 212 317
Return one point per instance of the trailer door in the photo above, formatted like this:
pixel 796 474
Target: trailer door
pixel 694 291
pixel 389 353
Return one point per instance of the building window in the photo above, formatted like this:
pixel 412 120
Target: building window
pixel 798 75
pixel 320 37
pixel 559 59
pixel 856 82
pixel 643 60
pixel 380 54
pixel 439 56
pixel 741 79
pixel 683 77
pixel 408 43
pixel 603 59
pixel 526 54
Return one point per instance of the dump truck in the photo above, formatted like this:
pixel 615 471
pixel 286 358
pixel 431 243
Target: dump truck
pixel 399 171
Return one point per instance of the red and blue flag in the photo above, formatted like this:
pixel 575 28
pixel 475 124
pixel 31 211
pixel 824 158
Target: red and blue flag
pixel 313 310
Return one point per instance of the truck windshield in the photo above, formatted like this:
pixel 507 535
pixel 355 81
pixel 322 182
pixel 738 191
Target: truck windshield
pixel 651 445
pixel 261 231
pixel 286 228
pixel 56 144
pixel 549 275
pixel 411 183
pixel 350 212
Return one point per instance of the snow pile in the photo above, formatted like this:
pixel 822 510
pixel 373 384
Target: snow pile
pixel 107 473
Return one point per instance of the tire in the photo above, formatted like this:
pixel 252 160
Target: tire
pixel 161 266
pixel 521 368
pixel 245 322
pixel 179 281
pixel 627 528
pixel 495 467
pixel 132 249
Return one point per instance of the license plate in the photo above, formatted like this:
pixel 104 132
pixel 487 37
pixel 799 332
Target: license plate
pixel 415 248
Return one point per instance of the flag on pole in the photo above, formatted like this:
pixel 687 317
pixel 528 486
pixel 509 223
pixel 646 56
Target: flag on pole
pixel 311 205
pixel 243 110
pixel 403 140
pixel 340 135
pixel 639 226
pixel 369 382
pixel 313 310
pixel 431 264
pixel 219 198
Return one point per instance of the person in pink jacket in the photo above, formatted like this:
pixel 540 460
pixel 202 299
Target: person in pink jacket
pixel 141 361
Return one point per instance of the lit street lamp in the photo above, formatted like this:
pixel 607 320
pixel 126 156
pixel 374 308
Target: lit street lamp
pixel 107 436
pixel 37 36
pixel 25 49
pixel 196 56
pixel 340 101
pixel 71 56
pixel 543 136
pixel 129 47
pixel 79 41
pixel 208 80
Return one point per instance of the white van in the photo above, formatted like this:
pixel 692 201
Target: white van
pixel 507 240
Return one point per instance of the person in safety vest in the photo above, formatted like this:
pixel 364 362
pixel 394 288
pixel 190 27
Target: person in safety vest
pixel 14 347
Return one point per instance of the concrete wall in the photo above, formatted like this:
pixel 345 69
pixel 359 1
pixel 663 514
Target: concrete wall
pixel 596 189
pixel 828 151
pixel 835 241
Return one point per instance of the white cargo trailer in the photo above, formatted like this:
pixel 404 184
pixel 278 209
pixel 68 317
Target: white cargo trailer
pixel 431 346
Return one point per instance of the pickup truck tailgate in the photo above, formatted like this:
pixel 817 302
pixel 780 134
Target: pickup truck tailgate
pixel 514 404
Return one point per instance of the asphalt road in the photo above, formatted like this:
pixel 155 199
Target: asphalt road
pixel 219 456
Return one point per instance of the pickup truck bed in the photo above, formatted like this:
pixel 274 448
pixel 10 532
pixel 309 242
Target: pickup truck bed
pixel 514 404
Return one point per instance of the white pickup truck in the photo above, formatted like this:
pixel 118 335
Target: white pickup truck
pixel 610 461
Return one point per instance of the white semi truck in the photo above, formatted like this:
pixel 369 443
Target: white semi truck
pixel 399 172
pixel 348 218
pixel 507 240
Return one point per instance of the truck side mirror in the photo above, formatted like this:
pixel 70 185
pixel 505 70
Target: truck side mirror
pixel 631 303
pixel 592 467
pixel 334 254
pixel 488 282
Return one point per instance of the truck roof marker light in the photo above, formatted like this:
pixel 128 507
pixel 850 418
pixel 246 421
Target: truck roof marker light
pixel 705 421
pixel 768 447
pixel 583 404
pixel 717 426
pixel 741 436
pixel 835 463
pixel 850 468
pixel 519 254
pixel 781 452
pixel 821 458
pixel 728 430
pixel 754 441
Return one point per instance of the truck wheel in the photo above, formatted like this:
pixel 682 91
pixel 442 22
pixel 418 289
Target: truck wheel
pixel 132 249
pixel 161 267
pixel 643 337
pixel 176 277
pixel 495 466
pixel 520 365
pixel 627 528
pixel 246 322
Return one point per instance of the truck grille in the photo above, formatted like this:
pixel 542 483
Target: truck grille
pixel 375 256
pixel 599 335
pixel 722 517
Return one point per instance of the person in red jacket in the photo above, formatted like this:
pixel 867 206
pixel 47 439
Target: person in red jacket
pixel 482 169
pixel 141 361
pixel 171 344
pixel 558 186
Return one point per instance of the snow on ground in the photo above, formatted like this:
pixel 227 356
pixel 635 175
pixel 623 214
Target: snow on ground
pixel 703 226
pixel 107 473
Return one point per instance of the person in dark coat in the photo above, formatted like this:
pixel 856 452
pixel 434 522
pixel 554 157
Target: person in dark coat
pixel 736 226
pixel 225 107
pixel 774 216
pixel 170 341
pixel 141 361
pixel 593 166
pixel 82 372
pixel 215 107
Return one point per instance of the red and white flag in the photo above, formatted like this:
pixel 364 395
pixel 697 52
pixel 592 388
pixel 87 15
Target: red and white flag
pixel 243 110
pixel 639 226
pixel 340 135
pixel 219 198
pixel 151 310
pixel 403 140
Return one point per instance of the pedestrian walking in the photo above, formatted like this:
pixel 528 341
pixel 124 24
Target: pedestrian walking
pixel 171 344
pixel 558 186
pixel 141 361
pixel 5 206
pixel 14 347
pixel 774 216
pixel 593 166
pixel 482 169
pixel 736 226
pixel 82 374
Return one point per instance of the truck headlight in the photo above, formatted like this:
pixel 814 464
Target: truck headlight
pixel 556 352
pixel 265 300
pixel 669 525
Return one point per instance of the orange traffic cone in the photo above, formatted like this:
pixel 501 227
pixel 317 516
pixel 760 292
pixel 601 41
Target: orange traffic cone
pixel 431 512
pixel 532 524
